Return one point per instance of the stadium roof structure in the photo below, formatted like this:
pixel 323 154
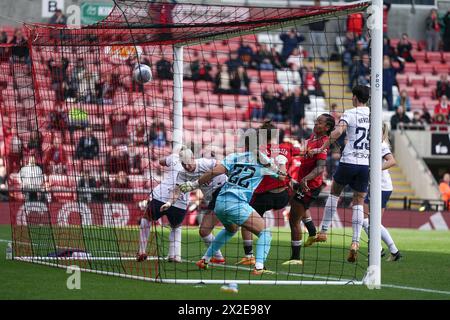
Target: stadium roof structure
pixel 162 23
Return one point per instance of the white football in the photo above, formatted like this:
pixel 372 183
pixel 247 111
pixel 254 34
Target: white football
pixel 142 73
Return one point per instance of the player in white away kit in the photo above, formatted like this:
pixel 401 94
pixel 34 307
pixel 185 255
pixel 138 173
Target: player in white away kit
pixel 353 169
pixel 193 169
pixel 161 195
pixel 386 191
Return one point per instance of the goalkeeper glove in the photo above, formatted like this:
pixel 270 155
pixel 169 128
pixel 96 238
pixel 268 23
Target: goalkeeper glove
pixel 189 186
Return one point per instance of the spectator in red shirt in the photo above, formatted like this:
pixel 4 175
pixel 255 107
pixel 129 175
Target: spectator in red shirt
pixel 55 158
pixel 433 31
pixel 119 128
pixel 442 107
pixel 355 23
pixel 255 109
pixel 122 182
pixel 439 123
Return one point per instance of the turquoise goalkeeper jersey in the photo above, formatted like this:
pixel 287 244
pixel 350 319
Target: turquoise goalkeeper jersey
pixel 244 175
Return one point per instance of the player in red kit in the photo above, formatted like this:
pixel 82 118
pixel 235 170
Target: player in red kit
pixel 310 177
pixel 271 194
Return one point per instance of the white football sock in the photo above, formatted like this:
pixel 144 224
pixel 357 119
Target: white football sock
pixel 175 243
pixel 386 237
pixel 366 225
pixel 208 239
pixel 144 233
pixel 329 211
pixel 357 222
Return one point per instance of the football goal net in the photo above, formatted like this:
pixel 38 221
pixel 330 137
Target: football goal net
pixel 95 116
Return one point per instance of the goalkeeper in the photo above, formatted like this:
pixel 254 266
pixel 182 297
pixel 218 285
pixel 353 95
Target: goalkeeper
pixel 245 171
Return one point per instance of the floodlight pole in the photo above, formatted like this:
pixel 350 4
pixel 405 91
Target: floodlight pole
pixel 177 98
pixel 375 24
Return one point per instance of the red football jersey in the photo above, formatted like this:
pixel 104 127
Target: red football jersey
pixel 309 163
pixel 286 149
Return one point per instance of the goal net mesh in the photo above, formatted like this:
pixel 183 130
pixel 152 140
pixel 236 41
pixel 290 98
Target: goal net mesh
pixel 84 139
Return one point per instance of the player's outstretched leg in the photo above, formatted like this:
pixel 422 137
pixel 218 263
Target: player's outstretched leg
pixel 297 211
pixel 357 224
pixel 205 231
pixel 248 259
pixel 144 233
pixel 256 225
pixel 312 231
pixel 329 210
pixel 222 238
pixel 175 244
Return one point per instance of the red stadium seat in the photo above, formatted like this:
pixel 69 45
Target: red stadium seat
pixel 418 55
pixel 410 67
pixel 416 80
pixel 446 57
pixel 442 68
pixel 424 92
pixel 268 76
pixel 434 56
pixel 423 67
pixel 431 80
pixel 402 79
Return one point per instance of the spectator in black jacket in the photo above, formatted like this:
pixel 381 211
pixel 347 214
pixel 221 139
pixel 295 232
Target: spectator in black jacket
pixel 164 69
pixel 240 81
pixel 88 147
pixel 446 36
pixel 291 40
pixel 85 183
pixel 20 51
pixel 404 48
pixel 297 101
pixel 318 37
pixel 388 50
pixel 389 80
pixel 58 18
pixel 399 119
pixel 443 86
pixel 271 106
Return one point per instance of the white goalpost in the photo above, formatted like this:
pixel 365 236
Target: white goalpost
pixel 110 249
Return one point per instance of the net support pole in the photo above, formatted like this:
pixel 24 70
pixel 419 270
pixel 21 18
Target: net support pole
pixel 375 24
pixel 177 98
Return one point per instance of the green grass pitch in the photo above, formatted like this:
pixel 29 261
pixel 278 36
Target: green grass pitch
pixel 426 265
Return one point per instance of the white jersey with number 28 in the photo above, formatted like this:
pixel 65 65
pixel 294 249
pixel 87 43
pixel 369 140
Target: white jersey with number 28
pixel 356 150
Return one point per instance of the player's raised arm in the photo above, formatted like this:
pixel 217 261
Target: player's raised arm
pixel 340 128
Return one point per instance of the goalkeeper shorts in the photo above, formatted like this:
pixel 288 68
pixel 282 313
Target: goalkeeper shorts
pixel 232 210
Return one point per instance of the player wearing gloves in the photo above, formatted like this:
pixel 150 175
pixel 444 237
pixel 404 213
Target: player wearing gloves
pixel 245 171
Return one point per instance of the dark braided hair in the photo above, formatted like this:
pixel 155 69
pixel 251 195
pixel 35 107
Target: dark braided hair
pixel 268 126
pixel 330 122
